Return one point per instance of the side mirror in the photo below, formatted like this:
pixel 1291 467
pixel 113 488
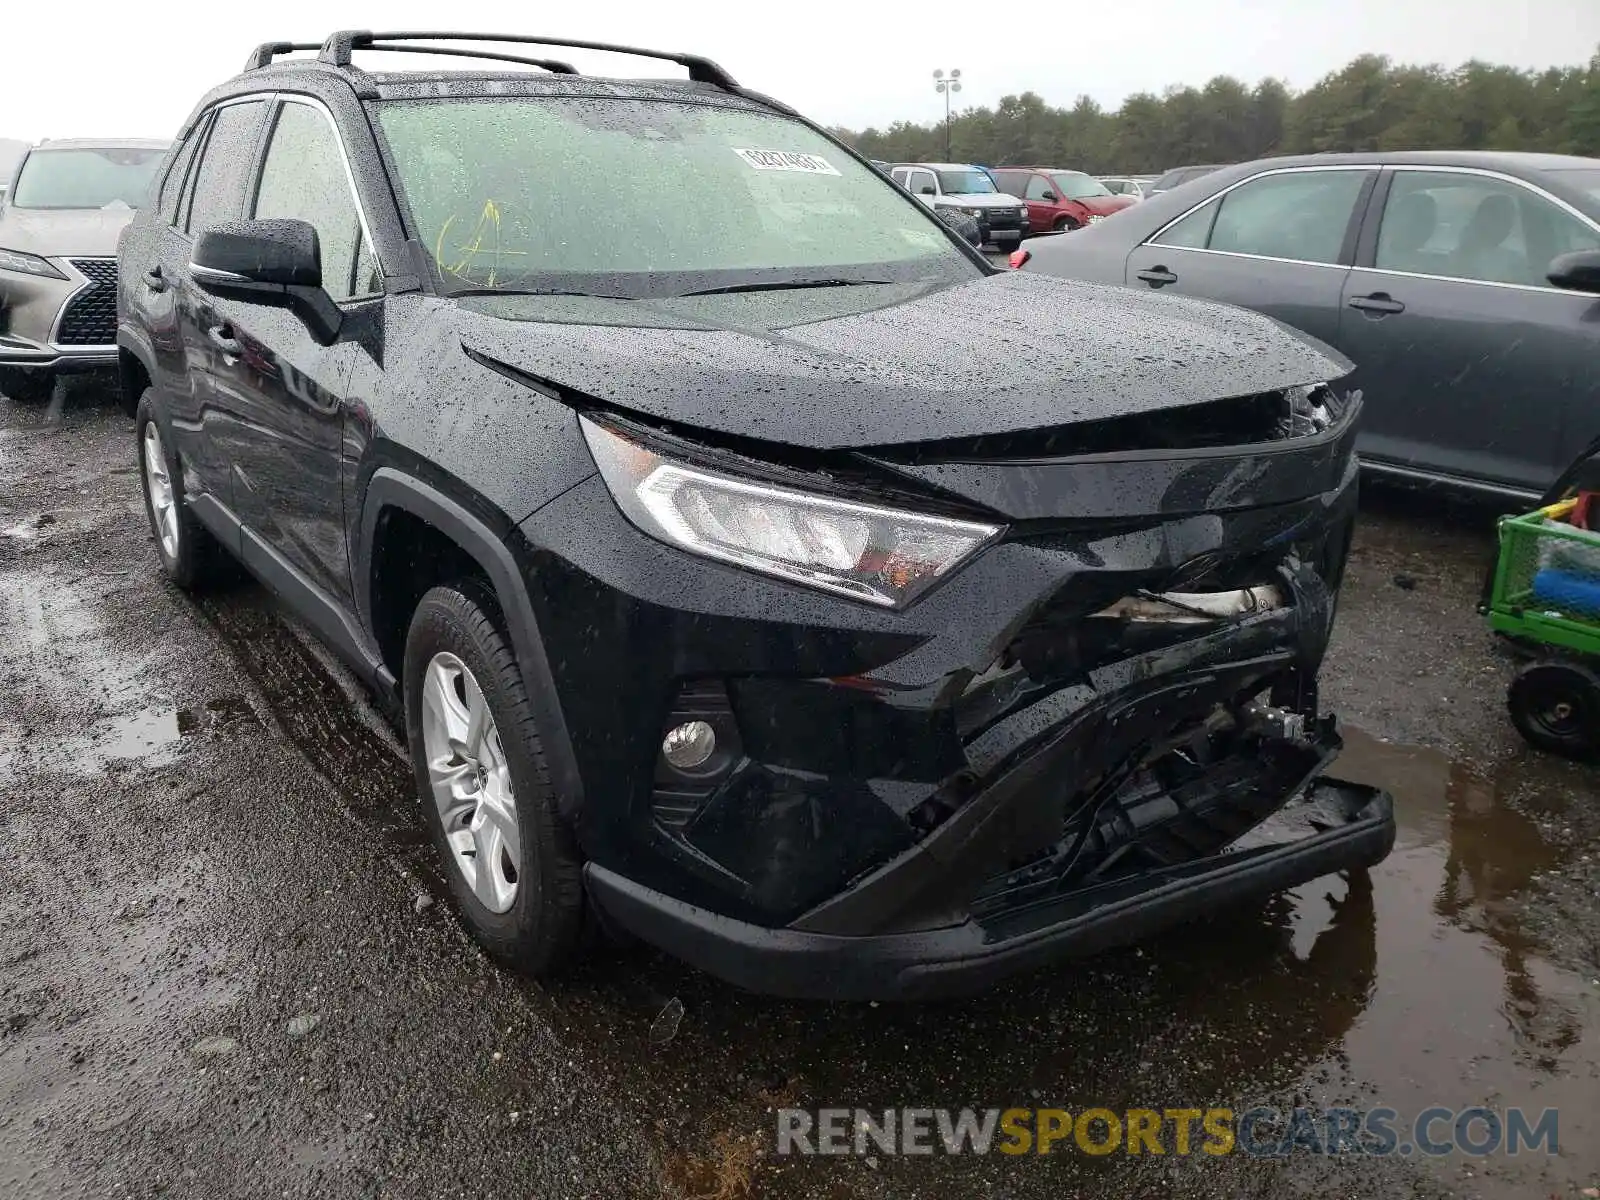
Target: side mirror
pixel 1577 272
pixel 1019 258
pixel 1048 197
pixel 925 190
pixel 275 262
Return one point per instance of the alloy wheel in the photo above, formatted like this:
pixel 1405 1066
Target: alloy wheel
pixel 471 782
pixel 158 484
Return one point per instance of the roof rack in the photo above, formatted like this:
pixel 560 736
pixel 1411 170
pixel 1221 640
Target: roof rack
pixel 337 49
pixel 263 55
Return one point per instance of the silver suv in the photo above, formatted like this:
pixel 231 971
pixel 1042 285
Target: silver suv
pixel 68 202
pixel 961 189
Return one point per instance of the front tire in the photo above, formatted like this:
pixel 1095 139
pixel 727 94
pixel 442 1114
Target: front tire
pixel 1063 225
pixel 512 863
pixel 189 554
pixel 1556 707
pixel 27 387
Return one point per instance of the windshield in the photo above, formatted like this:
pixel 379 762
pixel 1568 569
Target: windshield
pixel 646 198
pixel 1075 185
pixel 965 183
pixel 1584 179
pixel 86 177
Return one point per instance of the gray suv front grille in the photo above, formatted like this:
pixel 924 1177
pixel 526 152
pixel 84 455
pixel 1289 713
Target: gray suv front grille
pixel 90 318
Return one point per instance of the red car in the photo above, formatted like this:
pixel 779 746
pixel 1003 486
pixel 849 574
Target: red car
pixel 1059 200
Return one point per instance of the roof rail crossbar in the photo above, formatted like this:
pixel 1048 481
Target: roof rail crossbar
pixel 549 64
pixel 337 49
pixel 263 54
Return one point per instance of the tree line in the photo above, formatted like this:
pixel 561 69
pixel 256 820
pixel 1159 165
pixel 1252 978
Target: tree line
pixel 1370 104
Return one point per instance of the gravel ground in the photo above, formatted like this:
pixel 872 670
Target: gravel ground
pixel 229 969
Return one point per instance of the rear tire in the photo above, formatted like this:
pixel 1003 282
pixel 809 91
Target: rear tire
pixel 190 556
pixel 1556 707
pixel 512 864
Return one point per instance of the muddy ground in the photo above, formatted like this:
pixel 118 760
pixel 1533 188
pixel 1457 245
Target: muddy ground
pixel 227 968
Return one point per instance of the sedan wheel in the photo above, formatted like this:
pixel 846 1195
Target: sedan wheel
pixel 471 782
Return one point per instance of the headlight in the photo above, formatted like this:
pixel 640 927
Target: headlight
pixel 28 264
pixel 880 555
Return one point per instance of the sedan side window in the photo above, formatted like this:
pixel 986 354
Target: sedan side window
pixel 304 178
pixel 1193 231
pixel 1478 227
pixel 1298 215
pixel 218 192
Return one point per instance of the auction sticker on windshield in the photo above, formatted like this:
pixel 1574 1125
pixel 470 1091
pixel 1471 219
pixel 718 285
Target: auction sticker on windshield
pixel 786 160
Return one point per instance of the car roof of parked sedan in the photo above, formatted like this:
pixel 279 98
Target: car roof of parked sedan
pixel 1528 160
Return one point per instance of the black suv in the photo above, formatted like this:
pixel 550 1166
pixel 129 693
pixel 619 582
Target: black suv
pixel 728 578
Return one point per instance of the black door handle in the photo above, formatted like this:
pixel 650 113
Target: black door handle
pixel 1379 304
pixel 155 280
pixel 1157 277
pixel 222 338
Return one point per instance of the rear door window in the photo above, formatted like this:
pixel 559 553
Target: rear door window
pixel 218 193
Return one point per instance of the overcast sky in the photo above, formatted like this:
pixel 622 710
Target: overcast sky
pixel 136 69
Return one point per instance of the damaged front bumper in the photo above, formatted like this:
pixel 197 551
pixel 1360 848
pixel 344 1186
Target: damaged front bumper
pixel 1333 826
pixel 1105 723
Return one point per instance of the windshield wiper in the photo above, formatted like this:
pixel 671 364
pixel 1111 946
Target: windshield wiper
pixel 509 291
pixel 778 285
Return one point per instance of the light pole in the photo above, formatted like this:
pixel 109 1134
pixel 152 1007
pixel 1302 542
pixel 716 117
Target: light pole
pixel 941 84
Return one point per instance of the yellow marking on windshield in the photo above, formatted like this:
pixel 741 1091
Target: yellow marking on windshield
pixel 488 223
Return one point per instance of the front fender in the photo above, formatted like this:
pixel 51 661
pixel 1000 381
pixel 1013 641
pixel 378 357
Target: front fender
pixel 391 488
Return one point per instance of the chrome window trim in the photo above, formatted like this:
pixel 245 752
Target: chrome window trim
pixel 216 273
pixel 1217 196
pixel 84 284
pixel 1298 262
pixel 1516 287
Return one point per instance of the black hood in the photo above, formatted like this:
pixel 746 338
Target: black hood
pixel 1000 354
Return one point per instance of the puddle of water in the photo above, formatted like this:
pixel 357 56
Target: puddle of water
pixel 1465 1006
pixel 152 735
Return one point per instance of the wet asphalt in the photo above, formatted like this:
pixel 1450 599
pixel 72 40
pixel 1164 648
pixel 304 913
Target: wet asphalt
pixel 228 969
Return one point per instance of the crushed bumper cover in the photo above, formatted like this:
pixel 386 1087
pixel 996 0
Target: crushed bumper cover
pixel 1334 826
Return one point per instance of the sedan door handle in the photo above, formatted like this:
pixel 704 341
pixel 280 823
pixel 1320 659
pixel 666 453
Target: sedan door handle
pixel 222 338
pixel 1157 277
pixel 1378 304
pixel 155 280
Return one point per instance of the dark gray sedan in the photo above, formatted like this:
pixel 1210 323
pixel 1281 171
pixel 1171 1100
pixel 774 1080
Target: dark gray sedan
pixel 1464 286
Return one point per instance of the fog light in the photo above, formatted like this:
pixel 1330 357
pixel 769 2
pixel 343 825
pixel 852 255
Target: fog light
pixel 689 745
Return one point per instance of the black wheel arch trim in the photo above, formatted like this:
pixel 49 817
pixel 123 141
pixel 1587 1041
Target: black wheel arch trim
pixel 391 488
